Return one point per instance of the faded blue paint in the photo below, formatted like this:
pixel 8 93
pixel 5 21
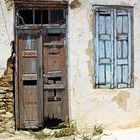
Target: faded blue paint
pixel 113 47
pixel 104 59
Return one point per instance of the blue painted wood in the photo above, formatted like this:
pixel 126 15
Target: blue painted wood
pixel 113 47
pixel 105 37
pixel 122 61
pixel 97 51
pixel 123 44
pixel 104 59
pixel 130 82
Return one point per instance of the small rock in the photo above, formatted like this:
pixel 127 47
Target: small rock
pixel 9 108
pixel 25 132
pixel 3 111
pixel 9 100
pixel 52 133
pixel 2 91
pixel 2 100
pixel 2 104
pixel 2 108
pixel 7 115
pixel 2 96
pixel 2 129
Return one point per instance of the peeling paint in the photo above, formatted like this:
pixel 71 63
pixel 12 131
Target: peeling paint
pixel 89 53
pixel 90 21
pixel 121 99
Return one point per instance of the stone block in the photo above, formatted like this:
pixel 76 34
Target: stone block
pixel 9 108
pixel 2 91
pixel 2 104
pixel 9 100
pixel 2 100
pixel 2 108
pixel 2 96
pixel 6 78
pixel 3 111
pixel 9 95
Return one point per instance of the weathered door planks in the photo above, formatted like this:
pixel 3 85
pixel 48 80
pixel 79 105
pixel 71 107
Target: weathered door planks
pixel 30 79
pixel 41 90
pixel 54 55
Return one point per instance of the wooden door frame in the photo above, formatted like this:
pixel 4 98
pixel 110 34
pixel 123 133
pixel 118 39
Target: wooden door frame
pixel 15 73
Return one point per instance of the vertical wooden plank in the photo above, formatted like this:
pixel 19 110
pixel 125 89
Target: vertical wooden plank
pixel 115 50
pixel 129 48
pixel 112 49
pixel 102 49
pixel 96 48
pixel 17 117
pixel 125 24
pixel 119 49
pixel 102 24
pixel 40 82
pixel 125 49
pixel 119 26
pixel 125 74
pixel 102 74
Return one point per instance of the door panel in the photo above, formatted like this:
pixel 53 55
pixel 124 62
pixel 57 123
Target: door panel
pixel 30 46
pixel 29 65
pixel 54 64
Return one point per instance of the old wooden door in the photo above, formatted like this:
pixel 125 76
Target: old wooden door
pixel 54 74
pixel 30 78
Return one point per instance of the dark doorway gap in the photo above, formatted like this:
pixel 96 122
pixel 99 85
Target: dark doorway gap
pixel 26 16
pixel 54 123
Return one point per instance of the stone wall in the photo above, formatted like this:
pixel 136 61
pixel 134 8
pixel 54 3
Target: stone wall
pixel 6 108
pixel 6 100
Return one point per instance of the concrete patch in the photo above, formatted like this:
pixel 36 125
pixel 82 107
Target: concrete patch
pixel 121 99
pixel 89 53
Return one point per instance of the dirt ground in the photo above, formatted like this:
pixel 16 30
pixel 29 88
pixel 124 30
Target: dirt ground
pixel 7 132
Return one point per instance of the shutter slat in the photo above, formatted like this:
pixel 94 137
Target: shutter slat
pixel 105 61
pixel 122 85
pixel 105 37
pixel 122 61
pixel 122 12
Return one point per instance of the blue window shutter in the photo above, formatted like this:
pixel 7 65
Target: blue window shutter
pixel 104 48
pixel 122 48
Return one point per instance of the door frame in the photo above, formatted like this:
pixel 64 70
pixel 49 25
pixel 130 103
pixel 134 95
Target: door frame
pixel 16 50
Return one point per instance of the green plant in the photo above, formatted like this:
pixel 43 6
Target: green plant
pixel 69 129
pixel 40 135
pixel 85 137
pixel 98 129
